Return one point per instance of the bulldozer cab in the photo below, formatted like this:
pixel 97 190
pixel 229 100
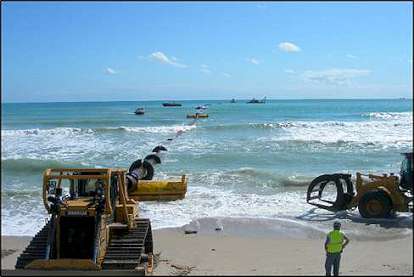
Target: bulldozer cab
pixel 84 191
pixel 69 189
pixel 74 204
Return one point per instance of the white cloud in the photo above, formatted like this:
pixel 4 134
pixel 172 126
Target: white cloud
pixel 253 60
pixel 289 71
pixel 351 56
pixel 162 58
pixel 205 70
pixel 289 47
pixel 334 76
pixel 110 71
pixel 227 75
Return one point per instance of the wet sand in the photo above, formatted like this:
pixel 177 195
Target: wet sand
pixel 235 248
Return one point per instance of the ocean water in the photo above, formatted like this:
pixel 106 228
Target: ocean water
pixel 245 160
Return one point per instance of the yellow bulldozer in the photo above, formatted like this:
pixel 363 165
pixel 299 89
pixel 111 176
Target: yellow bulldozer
pixel 94 223
pixel 375 196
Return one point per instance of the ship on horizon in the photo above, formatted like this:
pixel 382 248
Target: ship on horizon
pixel 171 104
pixel 255 101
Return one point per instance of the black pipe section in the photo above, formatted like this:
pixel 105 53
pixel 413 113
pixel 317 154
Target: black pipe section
pixel 159 148
pixel 153 158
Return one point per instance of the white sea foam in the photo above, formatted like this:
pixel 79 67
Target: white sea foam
pixel 66 131
pixel 392 129
pixel 84 144
pixel 389 115
pixel 160 129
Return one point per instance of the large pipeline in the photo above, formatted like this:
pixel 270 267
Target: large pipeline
pixel 144 169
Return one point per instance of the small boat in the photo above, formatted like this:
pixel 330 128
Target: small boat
pixel 202 107
pixel 197 115
pixel 233 100
pixel 139 111
pixel 171 104
pixel 255 101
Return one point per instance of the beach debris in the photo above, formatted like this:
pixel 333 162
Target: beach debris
pixel 157 259
pixel 192 228
pixel 182 270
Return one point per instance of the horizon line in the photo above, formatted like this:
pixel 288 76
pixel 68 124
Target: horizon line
pixel 221 99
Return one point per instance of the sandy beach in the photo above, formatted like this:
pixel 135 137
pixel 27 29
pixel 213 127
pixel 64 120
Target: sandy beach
pixel 236 250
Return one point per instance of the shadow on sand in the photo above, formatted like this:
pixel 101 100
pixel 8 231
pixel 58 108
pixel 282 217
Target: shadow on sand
pixel 321 215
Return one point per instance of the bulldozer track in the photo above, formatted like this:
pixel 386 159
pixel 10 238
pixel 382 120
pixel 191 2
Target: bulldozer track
pixel 37 248
pixel 127 248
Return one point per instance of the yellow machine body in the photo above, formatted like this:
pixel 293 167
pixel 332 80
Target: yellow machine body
pixel 376 196
pixel 159 190
pixel 197 115
pixel 389 184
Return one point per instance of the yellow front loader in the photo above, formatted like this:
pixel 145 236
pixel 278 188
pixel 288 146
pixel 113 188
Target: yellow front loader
pixel 375 196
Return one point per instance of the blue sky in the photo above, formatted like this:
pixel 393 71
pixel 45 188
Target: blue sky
pixel 147 51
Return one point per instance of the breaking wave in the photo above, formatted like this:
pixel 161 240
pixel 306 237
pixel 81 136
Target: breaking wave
pixel 389 115
pixel 65 131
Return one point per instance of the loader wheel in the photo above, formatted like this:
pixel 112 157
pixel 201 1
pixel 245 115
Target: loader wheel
pixel 375 204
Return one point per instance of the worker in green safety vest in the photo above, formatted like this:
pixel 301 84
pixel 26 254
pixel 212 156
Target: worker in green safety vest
pixel 334 244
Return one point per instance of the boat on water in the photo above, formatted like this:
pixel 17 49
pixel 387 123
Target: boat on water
pixel 255 101
pixel 197 115
pixel 171 104
pixel 139 111
pixel 202 107
pixel 233 100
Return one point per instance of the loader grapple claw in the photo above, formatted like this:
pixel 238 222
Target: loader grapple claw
pixel 331 192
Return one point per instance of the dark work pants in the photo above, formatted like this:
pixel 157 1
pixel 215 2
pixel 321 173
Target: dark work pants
pixel 332 260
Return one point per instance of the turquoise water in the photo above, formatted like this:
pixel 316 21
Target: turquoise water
pixel 244 160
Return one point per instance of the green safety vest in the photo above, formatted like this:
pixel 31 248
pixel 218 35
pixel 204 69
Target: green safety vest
pixel 336 239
